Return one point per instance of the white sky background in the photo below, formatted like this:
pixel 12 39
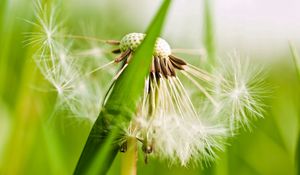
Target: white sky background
pixel 258 25
pixel 253 26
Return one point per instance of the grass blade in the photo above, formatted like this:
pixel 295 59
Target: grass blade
pixel 208 34
pixel 121 104
pixel 296 59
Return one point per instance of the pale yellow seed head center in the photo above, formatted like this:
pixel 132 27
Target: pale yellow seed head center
pixel 133 40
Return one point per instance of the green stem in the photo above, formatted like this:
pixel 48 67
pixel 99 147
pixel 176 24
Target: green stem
pixel 296 59
pixel 209 40
pixel 129 158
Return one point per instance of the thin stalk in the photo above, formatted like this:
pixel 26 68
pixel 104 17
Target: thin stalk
pixel 6 28
pixel 89 38
pixel 129 158
pixel 296 60
pixel 208 27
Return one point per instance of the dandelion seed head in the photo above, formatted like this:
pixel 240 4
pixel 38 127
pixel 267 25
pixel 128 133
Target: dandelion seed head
pixel 133 40
pixel 167 123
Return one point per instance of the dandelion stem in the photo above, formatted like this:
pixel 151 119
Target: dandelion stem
pixel 99 68
pixel 129 158
pixel 84 38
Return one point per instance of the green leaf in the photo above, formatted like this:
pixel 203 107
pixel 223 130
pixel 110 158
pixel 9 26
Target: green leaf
pixel 99 151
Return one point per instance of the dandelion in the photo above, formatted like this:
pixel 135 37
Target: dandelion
pixel 169 125
pixel 167 122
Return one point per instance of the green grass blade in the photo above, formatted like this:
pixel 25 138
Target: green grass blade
pixel 296 59
pixel 104 156
pixel 208 33
pixel 4 41
pixel 121 104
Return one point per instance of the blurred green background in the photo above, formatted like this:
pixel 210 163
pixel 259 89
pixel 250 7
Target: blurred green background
pixel 30 144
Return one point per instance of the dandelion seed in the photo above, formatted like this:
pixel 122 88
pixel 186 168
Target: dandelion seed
pixel 78 88
pixel 240 90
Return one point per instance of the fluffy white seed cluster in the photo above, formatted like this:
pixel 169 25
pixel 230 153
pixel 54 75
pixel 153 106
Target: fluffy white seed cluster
pixel 68 70
pixel 181 140
pixel 240 89
pixel 168 121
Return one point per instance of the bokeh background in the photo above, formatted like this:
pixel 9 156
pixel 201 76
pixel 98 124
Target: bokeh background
pixel 260 29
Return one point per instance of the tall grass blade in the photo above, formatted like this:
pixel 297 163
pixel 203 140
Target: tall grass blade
pixel 3 42
pixel 99 151
pixel 208 29
pixel 296 60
